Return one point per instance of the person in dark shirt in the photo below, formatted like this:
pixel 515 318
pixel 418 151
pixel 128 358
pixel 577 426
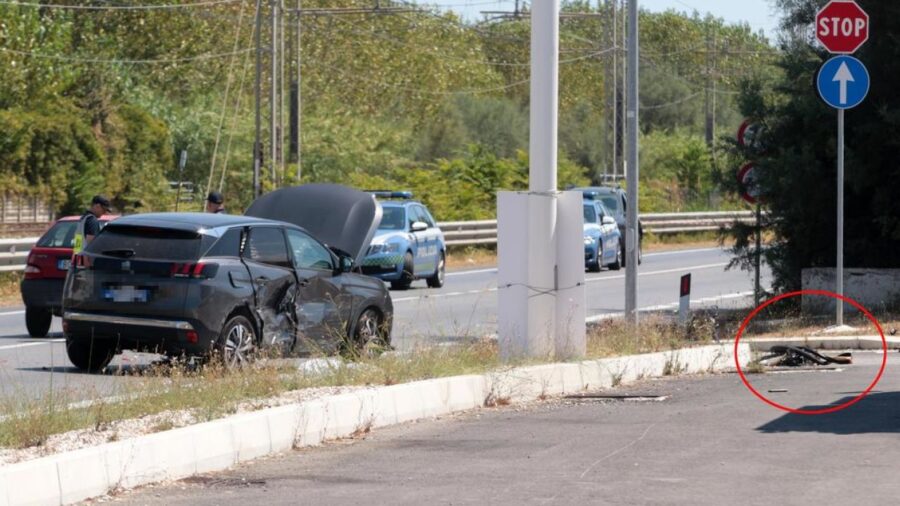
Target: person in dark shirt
pixel 89 226
pixel 215 203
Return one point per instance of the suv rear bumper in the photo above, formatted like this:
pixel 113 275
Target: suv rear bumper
pixel 140 334
pixel 43 293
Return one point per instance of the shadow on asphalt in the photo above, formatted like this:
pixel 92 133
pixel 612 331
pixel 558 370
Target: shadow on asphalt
pixel 877 413
pixel 123 370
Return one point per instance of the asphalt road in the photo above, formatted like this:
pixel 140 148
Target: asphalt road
pixel 467 305
pixel 710 443
pixel 464 307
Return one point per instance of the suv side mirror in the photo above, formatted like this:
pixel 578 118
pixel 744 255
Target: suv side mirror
pixel 346 264
pixel 419 226
pixel 609 220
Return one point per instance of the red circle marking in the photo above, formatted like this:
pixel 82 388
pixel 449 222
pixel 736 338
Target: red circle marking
pixel 822 411
pixel 745 189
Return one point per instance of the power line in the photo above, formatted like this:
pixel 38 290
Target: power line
pixel 383 84
pixel 398 42
pixel 76 59
pixel 145 7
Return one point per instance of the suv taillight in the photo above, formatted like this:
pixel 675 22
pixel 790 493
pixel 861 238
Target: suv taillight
pixel 81 261
pixel 198 270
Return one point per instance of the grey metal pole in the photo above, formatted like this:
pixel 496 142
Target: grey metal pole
pixel 281 80
pixel 273 92
pixel 615 93
pixel 257 144
pixel 299 91
pixel 839 274
pixel 757 289
pixel 631 219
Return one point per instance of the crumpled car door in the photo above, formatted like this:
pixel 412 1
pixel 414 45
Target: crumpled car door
pixel 322 307
pixel 274 284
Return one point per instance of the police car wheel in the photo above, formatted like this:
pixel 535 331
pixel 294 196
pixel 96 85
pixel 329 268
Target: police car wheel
pixel 598 265
pixel 619 260
pixel 406 278
pixel 437 280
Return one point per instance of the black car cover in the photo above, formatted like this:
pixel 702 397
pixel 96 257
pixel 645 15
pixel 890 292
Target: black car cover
pixel 341 217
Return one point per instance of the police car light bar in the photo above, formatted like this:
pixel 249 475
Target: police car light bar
pixel 386 194
pixel 590 195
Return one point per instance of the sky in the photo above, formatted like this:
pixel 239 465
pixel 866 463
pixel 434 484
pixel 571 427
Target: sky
pixel 759 14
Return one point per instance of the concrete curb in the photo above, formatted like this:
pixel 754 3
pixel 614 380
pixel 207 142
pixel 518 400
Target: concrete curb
pixel 824 343
pixel 213 446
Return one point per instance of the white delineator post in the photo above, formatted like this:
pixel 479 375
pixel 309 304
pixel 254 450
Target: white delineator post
pixel 541 287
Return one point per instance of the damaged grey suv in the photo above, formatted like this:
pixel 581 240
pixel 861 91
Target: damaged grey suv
pixel 190 284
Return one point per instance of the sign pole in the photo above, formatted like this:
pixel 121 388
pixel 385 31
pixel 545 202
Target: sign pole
pixel 839 274
pixel 757 290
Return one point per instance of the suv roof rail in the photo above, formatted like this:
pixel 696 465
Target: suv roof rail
pixel 387 194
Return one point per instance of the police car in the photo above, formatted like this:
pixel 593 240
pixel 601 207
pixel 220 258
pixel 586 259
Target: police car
pixel 602 239
pixel 408 244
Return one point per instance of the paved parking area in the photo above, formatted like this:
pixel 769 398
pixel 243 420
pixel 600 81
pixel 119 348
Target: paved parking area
pixel 710 443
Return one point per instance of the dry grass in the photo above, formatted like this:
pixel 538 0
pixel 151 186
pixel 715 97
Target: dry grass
pixel 471 258
pixel 653 334
pixel 211 392
pixel 675 242
pixel 10 293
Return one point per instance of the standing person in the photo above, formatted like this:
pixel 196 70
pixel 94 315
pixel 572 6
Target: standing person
pixel 88 226
pixel 215 203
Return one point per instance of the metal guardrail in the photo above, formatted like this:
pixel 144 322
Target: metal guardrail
pixel 472 233
pixel 14 252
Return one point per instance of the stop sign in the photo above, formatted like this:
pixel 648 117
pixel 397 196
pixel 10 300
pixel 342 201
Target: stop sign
pixel 842 26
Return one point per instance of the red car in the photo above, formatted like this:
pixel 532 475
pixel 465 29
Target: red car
pixel 45 273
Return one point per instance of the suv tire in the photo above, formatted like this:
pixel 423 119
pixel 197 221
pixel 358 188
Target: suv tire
pixel 90 355
pixel 237 343
pixel 37 321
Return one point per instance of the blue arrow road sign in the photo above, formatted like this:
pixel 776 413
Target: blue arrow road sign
pixel 843 82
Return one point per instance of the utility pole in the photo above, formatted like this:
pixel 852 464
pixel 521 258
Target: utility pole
pixel 257 144
pixel 281 95
pixel 299 94
pixel 621 92
pixel 710 87
pixel 296 89
pixel 273 91
pixel 612 71
pixel 632 245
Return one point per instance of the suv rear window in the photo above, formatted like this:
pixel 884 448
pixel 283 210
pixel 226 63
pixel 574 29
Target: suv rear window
pixel 61 235
pixel 148 243
pixel 611 202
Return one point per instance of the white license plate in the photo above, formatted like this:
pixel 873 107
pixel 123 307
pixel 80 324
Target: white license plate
pixel 126 293
pixel 63 265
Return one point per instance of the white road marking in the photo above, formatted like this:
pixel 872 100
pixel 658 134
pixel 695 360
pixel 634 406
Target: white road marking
pixel 674 305
pixel 589 280
pixel 9 313
pixel 34 343
pixel 466 273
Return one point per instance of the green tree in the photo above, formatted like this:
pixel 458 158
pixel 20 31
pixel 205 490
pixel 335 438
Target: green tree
pixel 797 160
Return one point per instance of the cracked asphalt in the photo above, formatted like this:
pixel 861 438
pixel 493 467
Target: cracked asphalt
pixel 709 443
